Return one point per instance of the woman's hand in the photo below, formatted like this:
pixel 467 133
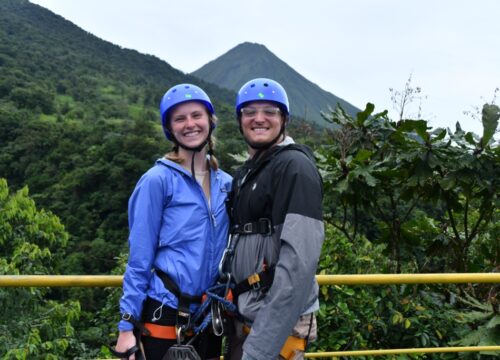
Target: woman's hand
pixel 126 340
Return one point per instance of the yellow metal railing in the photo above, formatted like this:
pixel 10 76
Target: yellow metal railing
pixel 375 279
pixel 401 351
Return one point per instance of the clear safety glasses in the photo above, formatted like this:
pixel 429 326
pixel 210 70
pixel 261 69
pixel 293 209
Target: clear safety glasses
pixel 268 111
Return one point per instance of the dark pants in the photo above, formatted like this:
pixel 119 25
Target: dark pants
pixel 207 345
pixel 305 328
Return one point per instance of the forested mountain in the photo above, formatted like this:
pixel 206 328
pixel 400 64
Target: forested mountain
pixel 249 60
pixel 45 47
pixel 79 124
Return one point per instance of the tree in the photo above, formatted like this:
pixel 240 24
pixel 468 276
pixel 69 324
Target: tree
pixel 32 241
pixel 378 172
pixel 429 196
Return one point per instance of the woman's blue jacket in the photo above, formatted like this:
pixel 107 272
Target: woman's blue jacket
pixel 175 229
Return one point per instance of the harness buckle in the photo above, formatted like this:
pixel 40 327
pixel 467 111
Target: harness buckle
pixel 183 319
pixel 262 226
pixel 127 317
pixel 254 281
pixel 265 226
pixel 247 228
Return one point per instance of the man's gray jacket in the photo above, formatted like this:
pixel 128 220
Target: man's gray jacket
pixel 284 186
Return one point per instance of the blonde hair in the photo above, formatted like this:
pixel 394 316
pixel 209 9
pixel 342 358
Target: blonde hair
pixel 173 155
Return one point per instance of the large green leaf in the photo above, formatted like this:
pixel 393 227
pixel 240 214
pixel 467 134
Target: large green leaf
pixel 418 126
pixel 364 172
pixel 495 321
pixel 469 137
pixel 439 133
pixel 362 155
pixel 363 115
pixel 433 160
pixel 491 114
pixel 448 182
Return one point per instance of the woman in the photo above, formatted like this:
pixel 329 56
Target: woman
pixel 178 231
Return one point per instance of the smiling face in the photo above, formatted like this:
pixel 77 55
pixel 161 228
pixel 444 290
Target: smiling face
pixel 190 124
pixel 261 123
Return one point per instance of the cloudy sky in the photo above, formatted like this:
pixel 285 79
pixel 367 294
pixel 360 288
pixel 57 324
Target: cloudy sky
pixel 356 49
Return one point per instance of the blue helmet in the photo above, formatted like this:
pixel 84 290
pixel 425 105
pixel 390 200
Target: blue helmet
pixel 262 89
pixel 178 94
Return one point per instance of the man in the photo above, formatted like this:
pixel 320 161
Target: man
pixel 277 231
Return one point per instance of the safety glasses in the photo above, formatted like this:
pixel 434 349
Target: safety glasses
pixel 268 111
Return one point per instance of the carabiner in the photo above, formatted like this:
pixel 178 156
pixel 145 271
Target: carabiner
pixel 179 335
pixel 226 255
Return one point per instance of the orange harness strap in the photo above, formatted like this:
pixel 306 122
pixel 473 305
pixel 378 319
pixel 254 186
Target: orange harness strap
pixel 161 331
pixel 292 343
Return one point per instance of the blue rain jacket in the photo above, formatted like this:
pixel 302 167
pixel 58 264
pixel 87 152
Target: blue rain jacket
pixel 173 228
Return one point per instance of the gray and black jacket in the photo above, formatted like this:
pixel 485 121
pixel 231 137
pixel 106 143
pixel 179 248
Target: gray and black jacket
pixel 282 185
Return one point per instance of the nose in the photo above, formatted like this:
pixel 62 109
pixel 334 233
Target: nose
pixel 260 115
pixel 190 121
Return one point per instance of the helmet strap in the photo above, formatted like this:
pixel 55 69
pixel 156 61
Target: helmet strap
pixel 194 149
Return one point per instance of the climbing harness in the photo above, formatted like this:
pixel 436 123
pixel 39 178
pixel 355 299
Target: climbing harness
pixel 181 352
pixel 256 281
pixel 187 351
pixel 212 310
pixel 214 299
pixel 183 318
pixel 262 226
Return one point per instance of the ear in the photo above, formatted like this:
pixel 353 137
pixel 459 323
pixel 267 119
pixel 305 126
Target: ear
pixel 284 119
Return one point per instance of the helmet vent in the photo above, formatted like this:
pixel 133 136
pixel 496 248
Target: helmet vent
pixel 174 90
pixel 253 85
pixel 266 84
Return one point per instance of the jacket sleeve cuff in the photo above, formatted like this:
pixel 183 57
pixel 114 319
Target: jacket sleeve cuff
pixel 125 326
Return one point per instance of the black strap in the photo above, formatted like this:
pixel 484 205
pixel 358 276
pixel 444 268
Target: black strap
pixel 309 331
pixel 137 324
pixel 259 281
pixel 125 354
pixel 174 288
pixel 262 226
pixel 184 300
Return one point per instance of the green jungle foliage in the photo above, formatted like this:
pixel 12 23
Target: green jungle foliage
pixel 34 325
pixel 402 197
pixel 79 125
